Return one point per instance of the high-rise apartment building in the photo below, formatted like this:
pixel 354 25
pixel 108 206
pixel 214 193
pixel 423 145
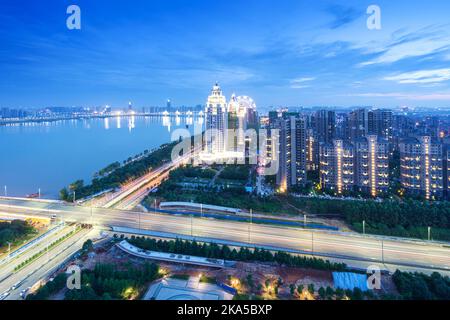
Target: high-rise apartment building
pixel 337 172
pixel 358 122
pixel 325 125
pixel 372 165
pixel 421 167
pixel 216 121
pixel 380 123
pixel 292 151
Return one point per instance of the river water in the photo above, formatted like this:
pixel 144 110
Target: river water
pixel 51 155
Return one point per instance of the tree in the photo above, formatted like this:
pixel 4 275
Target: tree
pixel 88 245
pixel 322 293
pixel 311 288
pixel 300 289
pixel 64 194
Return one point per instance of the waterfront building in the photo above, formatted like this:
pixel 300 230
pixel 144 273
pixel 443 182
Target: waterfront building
pixel 216 121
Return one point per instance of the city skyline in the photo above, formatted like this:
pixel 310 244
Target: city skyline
pixel 319 54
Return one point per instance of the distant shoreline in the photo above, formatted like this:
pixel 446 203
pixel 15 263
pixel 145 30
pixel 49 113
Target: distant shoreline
pixel 82 117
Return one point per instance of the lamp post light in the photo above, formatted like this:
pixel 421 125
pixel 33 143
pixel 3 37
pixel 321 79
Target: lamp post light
pixel 250 226
pixel 9 251
pixel 139 218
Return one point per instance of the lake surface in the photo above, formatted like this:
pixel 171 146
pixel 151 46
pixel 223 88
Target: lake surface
pixel 51 155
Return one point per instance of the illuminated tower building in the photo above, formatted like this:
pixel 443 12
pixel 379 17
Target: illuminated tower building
pixel 233 123
pixel 312 151
pixel 337 166
pixel 292 152
pixel 216 121
pixel 421 167
pixel 372 165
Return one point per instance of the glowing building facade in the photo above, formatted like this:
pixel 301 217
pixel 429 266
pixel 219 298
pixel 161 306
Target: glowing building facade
pixel 216 121
pixel 337 172
pixel 372 165
pixel 292 152
pixel 421 167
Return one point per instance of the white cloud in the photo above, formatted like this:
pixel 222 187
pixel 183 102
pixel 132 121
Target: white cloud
pixel 300 80
pixel 298 83
pixel 394 52
pixel 421 77
pixel 405 96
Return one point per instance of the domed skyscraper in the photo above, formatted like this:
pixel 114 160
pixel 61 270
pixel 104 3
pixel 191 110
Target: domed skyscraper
pixel 216 121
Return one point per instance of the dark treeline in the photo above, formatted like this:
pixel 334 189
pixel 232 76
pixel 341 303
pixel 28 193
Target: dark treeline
pixel 418 286
pixel 192 172
pixel 120 175
pixel 50 288
pixel 240 172
pixel 215 251
pixel 105 282
pixel 109 282
pixel 14 230
pixel 409 218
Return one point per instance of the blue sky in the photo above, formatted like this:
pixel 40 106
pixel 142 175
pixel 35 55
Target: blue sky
pixel 282 53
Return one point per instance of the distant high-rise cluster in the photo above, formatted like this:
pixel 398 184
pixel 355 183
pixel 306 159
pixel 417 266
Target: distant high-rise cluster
pixel 360 152
pixel 226 123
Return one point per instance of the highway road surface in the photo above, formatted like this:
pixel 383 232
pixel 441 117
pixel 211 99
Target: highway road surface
pixel 346 246
pixel 130 193
pixel 44 265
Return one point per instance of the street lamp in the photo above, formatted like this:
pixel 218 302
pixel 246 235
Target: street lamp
pixel 9 251
pixel 250 226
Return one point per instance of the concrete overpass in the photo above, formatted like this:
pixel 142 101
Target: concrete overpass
pixel 343 246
